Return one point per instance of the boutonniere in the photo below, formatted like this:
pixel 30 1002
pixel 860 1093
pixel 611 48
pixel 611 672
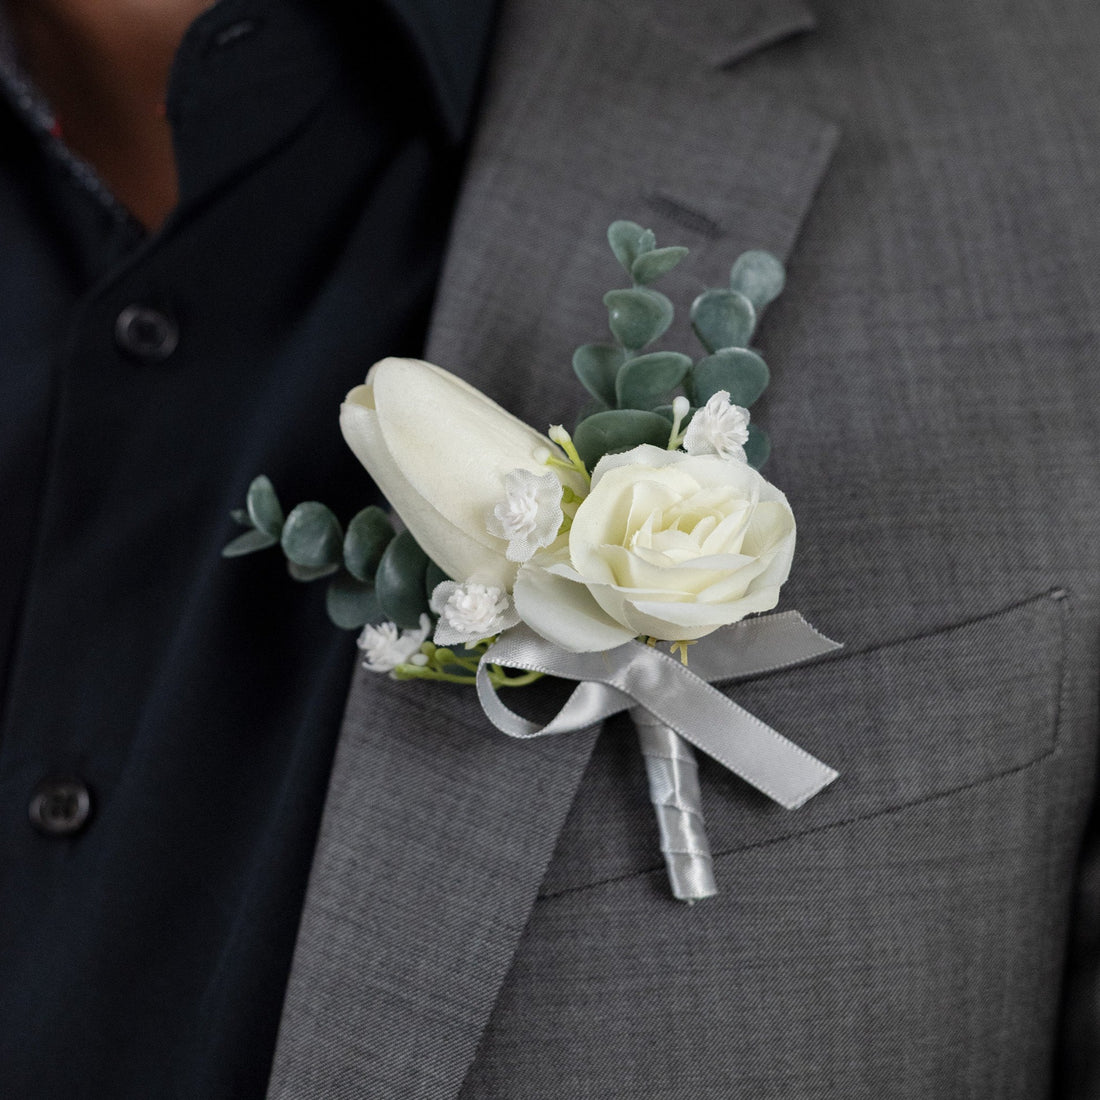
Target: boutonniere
pixel 635 555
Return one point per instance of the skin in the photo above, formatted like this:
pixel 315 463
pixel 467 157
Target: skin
pixel 104 66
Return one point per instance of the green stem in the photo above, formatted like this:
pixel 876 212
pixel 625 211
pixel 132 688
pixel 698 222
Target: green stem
pixel 498 678
pixel 565 441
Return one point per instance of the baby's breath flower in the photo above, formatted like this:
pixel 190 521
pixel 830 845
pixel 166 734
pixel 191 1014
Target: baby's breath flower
pixel 718 428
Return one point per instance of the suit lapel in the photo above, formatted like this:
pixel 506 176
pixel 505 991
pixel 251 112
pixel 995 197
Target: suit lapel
pixel 438 831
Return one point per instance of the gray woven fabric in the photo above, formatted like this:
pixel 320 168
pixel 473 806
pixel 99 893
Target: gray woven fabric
pixel 926 927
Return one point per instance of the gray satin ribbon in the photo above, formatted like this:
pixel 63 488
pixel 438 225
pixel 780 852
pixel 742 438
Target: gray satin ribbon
pixel 674 792
pixel 683 707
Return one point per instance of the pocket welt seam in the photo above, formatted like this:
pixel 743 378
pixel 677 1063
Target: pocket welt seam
pixel 1059 593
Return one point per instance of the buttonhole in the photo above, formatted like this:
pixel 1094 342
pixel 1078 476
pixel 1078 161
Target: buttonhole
pixel 227 36
pixel 685 217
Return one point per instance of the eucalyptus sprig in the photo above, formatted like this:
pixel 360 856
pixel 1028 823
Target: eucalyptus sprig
pixel 632 389
pixel 376 573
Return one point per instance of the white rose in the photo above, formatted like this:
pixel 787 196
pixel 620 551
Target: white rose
pixel 667 545
pixel 440 451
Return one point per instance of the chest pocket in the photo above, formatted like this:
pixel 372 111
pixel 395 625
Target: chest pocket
pixel 903 723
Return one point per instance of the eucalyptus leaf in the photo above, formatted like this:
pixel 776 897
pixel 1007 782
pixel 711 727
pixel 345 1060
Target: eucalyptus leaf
pixel 618 430
pixel 650 266
pixel 241 516
pixel 643 381
pixel 627 240
pixel 637 316
pixel 589 408
pixel 400 580
pixel 758 447
pixel 742 373
pixel 368 534
pixel 312 537
pixel 307 573
pixel 596 366
pixel 669 413
pixel 263 507
pixel 351 603
pixel 759 276
pixel 248 543
pixel 722 319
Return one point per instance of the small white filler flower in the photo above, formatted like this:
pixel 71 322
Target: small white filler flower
pixel 718 428
pixel 530 514
pixel 470 612
pixel 385 647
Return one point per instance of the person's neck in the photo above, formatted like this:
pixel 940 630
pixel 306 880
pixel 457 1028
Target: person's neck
pixel 104 65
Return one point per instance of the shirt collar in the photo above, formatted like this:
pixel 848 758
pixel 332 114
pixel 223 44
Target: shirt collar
pixel 450 40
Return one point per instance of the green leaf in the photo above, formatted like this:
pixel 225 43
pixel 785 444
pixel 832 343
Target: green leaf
pixel 618 430
pixel 241 516
pixel 652 265
pixel 434 576
pixel 759 276
pixel 642 382
pixel 758 447
pixel 399 582
pixel 351 603
pixel 722 319
pixel 248 543
pixel 739 371
pixel 628 241
pixel 589 408
pixel 263 507
pixel 368 534
pixel 307 573
pixel 669 414
pixel 312 537
pixel 596 366
pixel 637 316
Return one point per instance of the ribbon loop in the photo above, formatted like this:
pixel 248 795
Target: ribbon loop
pixel 679 698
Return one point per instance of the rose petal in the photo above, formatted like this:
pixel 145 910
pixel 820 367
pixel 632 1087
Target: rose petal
pixel 564 612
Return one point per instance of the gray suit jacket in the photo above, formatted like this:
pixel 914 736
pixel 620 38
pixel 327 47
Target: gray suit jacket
pixel 491 919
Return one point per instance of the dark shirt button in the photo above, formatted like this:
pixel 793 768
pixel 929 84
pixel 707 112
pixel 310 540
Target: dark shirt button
pixel 146 333
pixel 60 807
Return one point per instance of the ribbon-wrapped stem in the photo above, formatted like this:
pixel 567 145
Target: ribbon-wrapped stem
pixel 676 710
pixel 674 791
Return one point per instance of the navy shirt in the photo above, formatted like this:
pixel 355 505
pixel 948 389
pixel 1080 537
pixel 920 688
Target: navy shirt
pixel 168 716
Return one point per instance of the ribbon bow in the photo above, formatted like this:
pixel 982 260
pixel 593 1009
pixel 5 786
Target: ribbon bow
pixel 675 707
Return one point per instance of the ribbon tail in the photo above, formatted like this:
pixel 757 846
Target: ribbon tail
pixel 674 791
